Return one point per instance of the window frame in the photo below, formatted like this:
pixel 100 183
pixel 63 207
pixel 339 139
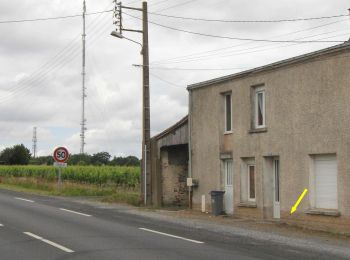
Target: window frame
pixel 277 188
pixel 228 176
pixel 226 131
pixel 248 182
pixel 313 177
pixel 259 90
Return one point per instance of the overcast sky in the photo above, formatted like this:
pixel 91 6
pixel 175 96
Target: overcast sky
pixel 40 76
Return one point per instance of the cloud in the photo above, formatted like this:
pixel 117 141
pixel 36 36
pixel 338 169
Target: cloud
pixel 40 80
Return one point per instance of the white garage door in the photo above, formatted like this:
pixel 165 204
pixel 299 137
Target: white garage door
pixel 326 191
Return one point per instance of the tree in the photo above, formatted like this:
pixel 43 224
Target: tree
pixel 125 161
pixel 42 160
pixel 17 154
pixel 79 159
pixel 5 155
pixel 101 158
pixel 132 161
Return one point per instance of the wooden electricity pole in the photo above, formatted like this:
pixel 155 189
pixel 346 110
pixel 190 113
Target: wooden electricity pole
pixel 146 135
pixel 146 125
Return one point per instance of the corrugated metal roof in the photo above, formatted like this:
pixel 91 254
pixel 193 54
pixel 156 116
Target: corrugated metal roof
pixel 171 128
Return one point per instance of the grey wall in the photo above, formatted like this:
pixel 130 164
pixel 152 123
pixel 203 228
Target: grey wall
pixel 307 112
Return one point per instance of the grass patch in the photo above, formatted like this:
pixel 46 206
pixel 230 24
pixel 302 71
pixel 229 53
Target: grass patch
pixel 43 186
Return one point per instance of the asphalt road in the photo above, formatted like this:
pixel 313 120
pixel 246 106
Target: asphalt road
pixel 38 227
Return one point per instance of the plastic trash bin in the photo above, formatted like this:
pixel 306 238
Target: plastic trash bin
pixel 217 202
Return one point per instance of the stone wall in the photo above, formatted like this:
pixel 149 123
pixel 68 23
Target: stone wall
pixel 174 168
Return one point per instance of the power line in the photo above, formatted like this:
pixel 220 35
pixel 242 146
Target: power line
pixel 58 62
pixel 52 18
pixel 166 81
pixel 244 51
pixel 198 69
pixel 40 74
pixel 248 21
pixel 198 54
pixel 229 37
pixel 226 53
pixel 158 3
pixel 177 5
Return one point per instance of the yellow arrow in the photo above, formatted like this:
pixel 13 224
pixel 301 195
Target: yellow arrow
pixel 294 208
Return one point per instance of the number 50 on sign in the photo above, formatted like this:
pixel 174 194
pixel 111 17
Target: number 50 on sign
pixel 61 155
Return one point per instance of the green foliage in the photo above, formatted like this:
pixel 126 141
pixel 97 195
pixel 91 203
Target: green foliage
pixel 101 158
pixel 41 160
pixel 16 155
pixel 79 159
pixel 44 187
pixel 127 161
pixel 103 176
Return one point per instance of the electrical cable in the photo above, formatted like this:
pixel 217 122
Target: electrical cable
pixel 228 37
pixel 65 52
pixel 190 69
pixel 52 18
pixel 40 78
pixel 241 52
pixel 166 81
pixel 177 5
pixel 227 53
pixel 244 44
pixel 56 58
pixel 160 2
pixel 248 21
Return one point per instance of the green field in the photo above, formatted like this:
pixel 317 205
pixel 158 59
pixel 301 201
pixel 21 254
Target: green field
pixel 114 183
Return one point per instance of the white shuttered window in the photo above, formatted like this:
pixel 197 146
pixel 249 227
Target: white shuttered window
pixel 325 182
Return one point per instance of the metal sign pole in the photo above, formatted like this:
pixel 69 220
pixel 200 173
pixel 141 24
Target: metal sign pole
pixel 59 177
pixel 60 155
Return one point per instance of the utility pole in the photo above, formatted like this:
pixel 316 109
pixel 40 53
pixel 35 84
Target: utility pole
pixel 146 125
pixel 34 142
pixel 146 133
pixel 83 120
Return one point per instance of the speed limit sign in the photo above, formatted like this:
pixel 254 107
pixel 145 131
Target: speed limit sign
pixel 60 154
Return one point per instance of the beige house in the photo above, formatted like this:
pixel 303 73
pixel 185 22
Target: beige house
pixel 265 135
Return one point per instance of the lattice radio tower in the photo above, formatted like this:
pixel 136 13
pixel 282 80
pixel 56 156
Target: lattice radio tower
pixel 35 140
pixel 83 119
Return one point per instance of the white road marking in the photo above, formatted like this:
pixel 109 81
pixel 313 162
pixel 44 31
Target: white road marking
pixel 17 198
pixel 75 212
pixel 1 225
pixel 49 242
pixel 169 235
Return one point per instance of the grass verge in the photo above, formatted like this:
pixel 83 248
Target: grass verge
pixel 105 193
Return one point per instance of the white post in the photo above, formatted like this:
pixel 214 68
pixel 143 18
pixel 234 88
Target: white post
pixel 203 203
pixel 145 176
pixel 59 178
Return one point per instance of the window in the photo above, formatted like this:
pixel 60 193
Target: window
pixel 251 182
pixel 324 182
pixel 228 113
pixel 248 180
pixel 228 172
pixel 260 107
pixel 277 179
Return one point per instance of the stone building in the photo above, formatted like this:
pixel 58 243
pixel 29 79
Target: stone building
pixel 169 151
pixel 266 134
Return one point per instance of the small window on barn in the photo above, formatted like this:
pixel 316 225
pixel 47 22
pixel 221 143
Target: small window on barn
pixel 228 113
